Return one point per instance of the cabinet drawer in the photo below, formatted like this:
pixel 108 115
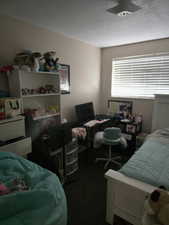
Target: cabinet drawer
pixel 12 129
pixel 21 147
pixel 71 145
pixel 71 157
pixel 72 168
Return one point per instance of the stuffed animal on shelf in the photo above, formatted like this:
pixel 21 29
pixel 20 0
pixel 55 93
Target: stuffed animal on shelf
pixel 51 62
pixel 28 60
pixel 6 69
pixel 50 88
pixel 157 207
pixel 42 90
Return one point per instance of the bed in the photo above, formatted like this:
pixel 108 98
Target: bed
pixel 147 169
pixel 33 195
pixel 128 188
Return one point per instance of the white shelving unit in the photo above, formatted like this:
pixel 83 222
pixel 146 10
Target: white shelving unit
pixel 20 80
pixel 40 95
pixel 10 119
pixel 46 116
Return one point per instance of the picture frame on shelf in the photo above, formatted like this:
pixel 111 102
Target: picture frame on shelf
pixel 131 128
pixel 119 107
pixel 64 72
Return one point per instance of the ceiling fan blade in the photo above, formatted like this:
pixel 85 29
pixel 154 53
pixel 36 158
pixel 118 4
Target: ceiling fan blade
pixel 115 10
pixel 132 7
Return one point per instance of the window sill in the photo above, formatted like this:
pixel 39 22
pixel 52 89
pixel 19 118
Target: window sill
pixel 132 97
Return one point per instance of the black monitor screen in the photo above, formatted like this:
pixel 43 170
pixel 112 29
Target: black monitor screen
pixel 85 112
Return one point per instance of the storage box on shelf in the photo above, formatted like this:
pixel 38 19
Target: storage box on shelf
pixel 10 107
pixel 39 91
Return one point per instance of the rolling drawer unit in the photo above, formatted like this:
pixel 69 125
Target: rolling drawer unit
pixel 71 158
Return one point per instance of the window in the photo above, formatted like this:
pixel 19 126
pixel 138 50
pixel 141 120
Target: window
pixel 140 76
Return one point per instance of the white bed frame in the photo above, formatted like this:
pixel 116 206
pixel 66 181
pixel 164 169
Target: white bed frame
pixel 125 195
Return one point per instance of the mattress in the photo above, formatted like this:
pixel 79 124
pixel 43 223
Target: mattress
pixel 150 163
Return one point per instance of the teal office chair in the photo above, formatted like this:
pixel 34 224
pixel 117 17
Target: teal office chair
pixel 112 137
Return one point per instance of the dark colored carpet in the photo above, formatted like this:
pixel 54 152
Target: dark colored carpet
pixel 86 195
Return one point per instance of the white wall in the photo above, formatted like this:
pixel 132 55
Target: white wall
pixel 84 59
pixel 141 106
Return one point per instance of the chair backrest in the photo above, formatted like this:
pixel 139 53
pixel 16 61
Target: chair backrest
pixel 112 134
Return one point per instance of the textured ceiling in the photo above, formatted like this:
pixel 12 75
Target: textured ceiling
pixel 88 20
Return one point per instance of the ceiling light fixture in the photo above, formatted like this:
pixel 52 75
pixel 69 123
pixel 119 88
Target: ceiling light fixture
pixel 124 8
pixel 124 13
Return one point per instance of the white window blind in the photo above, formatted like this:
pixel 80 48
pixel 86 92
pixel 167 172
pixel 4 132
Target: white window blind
pixel 140 76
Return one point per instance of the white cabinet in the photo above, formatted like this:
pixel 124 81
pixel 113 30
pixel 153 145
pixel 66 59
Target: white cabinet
pixel 12 128
pixel 160 118
pixel 21 147
pixel 12 136
pixel 39 91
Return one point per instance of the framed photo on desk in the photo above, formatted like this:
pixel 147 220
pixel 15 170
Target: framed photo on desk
pixel 131 128
pixel 124 108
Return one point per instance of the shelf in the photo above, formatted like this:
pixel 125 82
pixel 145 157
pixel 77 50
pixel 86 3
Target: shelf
pixel 32 99
pixel 57 151
pixel 45 116
pixel 74 150
pixel 12 119
pixel 40 95
pixel 73 171
pixel 43 72
pixel 73 161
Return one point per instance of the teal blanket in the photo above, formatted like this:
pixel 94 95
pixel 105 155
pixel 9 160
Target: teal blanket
pixel 43 204
pixel 150 163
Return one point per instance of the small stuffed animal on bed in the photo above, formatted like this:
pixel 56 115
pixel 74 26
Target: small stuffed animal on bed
pixel 4 190
pixel 157 204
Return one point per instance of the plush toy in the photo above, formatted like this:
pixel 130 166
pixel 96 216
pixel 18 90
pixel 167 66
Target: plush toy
pixel 42 90
pixel 50 88
pixel 157 205
pixel 29 59
pixel 6 69
pixel 4 189
pixel 51 63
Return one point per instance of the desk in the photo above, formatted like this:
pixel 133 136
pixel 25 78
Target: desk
pixel 94 126
pixel 130 130
pixel 131 142
pixel 100 126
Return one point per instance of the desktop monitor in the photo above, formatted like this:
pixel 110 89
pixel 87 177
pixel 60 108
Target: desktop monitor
pixel 85 112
